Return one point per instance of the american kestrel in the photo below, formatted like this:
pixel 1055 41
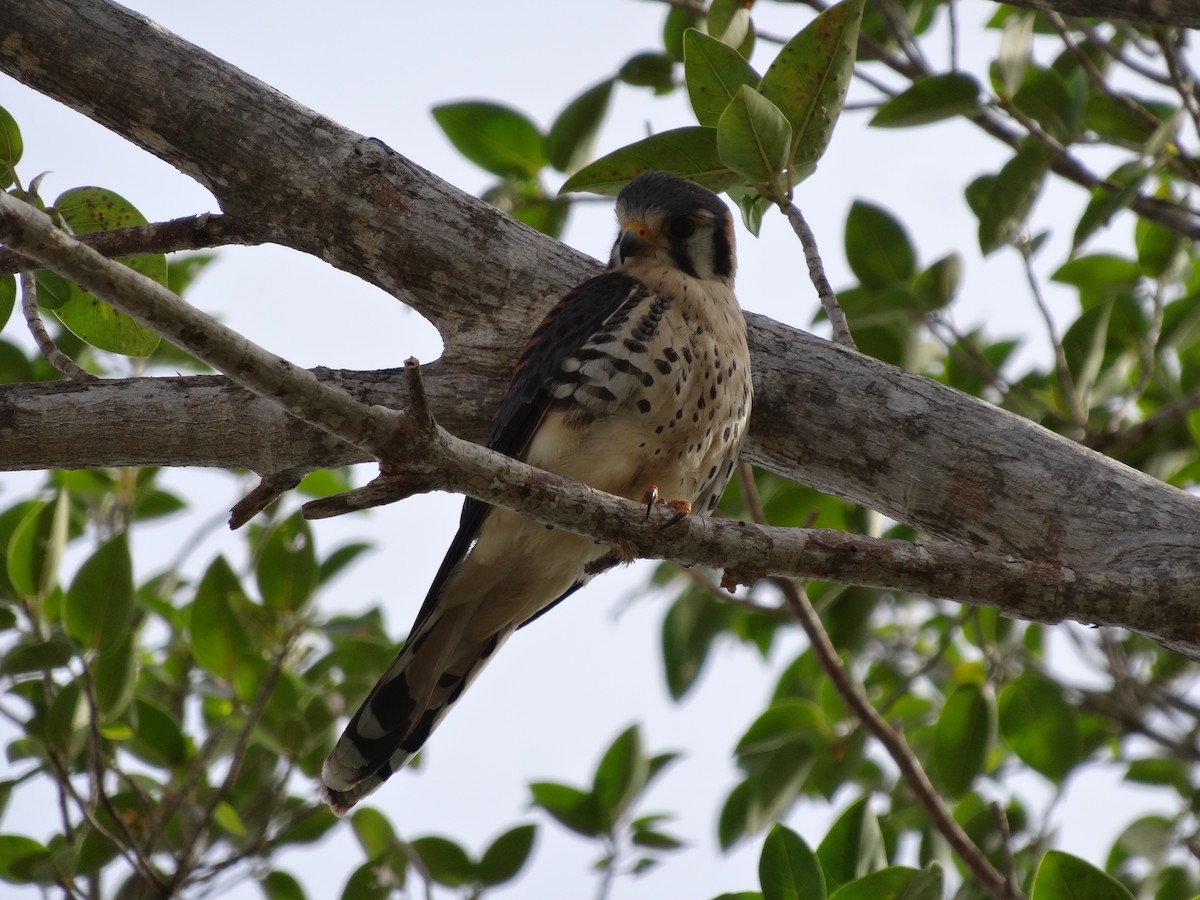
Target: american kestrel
pixel 639 377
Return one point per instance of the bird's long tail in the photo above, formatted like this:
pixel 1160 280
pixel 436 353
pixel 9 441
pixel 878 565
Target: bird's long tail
pixel 431 671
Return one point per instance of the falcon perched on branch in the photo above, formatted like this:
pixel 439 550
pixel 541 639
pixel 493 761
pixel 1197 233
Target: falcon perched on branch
pixel 637 383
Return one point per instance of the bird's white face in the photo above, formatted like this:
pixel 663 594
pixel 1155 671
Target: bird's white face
pixel 677 225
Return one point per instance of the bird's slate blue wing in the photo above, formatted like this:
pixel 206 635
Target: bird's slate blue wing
pixel 564 331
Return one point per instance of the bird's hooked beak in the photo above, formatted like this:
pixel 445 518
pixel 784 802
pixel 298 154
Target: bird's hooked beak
pixel 636 239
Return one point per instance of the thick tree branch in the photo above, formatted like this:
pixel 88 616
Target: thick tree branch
pixel 418 455
pixel 848 425
pixel 1162 12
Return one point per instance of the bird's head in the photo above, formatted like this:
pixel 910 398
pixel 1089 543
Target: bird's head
pixel 665 219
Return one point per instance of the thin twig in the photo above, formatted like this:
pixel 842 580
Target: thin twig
pixel 816 273
pixel 891 739
pixel 1061 369
pixel 45 343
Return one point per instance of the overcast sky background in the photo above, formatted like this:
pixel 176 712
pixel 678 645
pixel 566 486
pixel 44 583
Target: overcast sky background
pixel 559 692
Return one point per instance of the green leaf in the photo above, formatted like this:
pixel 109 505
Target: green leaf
pixel 91 209
pixel 853 847
pixel 788 869
pixel 1099 272
pixel 115 672
pixel 369 881
pixel 1047 98
pixel 446 861
pixel 336 562
pixel 496 138
pixel 574 808
pixel 67 722
pixel 1106 203
pixel 809 78
pixel 277 885
pixel 11 146
pixel 929 100
pixel 714 72
pixel 1016 43
pixel 570 139
pixel 1061 876
pixel 506 856
pixel 964 734
pixel 36 546
pixel 1012 196
pixel 18 855
pixel 887 884
pixel 782 725
pixel 690 152
pixel 729 21
pixel 36 657
pixel 8 297
pixel 734 822
pixel 374 832
pixel 218 636
pixel 52 289
pixel 99 602
pixel 227 818
pixel 877 247
pixel 287 567
pixel 688 630
pixel 754 139
pixel 157 736
pixel 1040 726
pixel 938 285
pixel 652 70
pixel 621 774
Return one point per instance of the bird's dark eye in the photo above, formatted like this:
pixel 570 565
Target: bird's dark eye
pixel 682 228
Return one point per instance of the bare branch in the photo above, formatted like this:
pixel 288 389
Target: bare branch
pixel 45 343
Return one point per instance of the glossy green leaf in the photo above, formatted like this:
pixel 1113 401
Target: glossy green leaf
pixel 8 297
pixel 788 869
pixel 574 808
pixel 690 152
pixel 782 724
pixel 878 248
pixel 734 821
pixel 621 774
pixel 506 856
pixel 1124 118
pixel 218 636
pixel 754 139
pixel 36 546
pixel 886 884
pixel 287 570
pixel 53 291
pixel 277 885
pixel 374 832
pixel 1040 726
pixel 99 603
pixel 67 722
pixel 1061 876
pixel 1098 272
pixel 572 135
pixel 11 146
pixel 494 137
pixel 853 847
pixel 965 732
pixel 446 862
pixel 1105 202
pixel 729 21
pixel 679 20
pixel 1011 197
pixel 930 100
pixel 337 561
pixel 87 210
pixel 714 72
pixel 809 78
pixel 227 818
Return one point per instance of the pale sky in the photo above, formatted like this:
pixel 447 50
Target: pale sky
pixel 560 691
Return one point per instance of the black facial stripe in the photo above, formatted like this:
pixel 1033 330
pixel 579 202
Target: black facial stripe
pixel 722 251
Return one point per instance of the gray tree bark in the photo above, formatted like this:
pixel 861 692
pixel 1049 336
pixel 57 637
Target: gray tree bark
pixel 915 450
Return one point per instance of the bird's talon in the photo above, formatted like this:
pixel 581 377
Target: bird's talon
pixel 682 508
pixel 650 498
